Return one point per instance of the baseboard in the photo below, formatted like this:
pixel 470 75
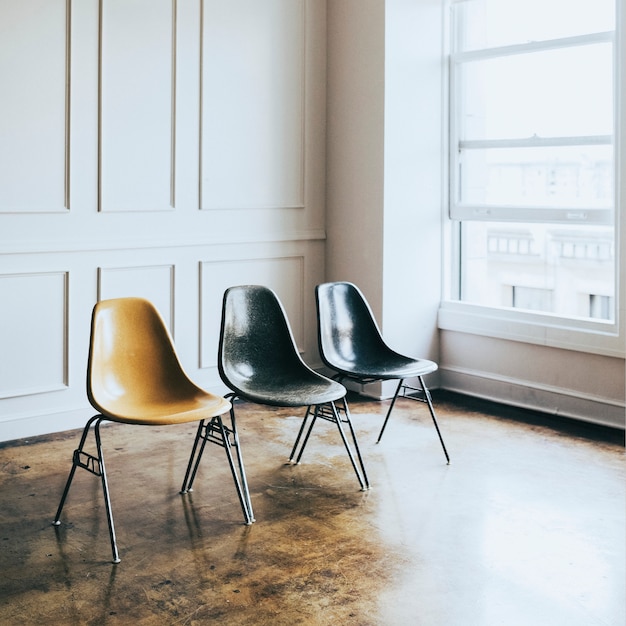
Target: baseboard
pixel 534 396
pixel 24 426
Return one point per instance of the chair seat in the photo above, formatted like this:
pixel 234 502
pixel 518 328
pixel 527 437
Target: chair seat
pixel 293 391
pixel 164 411
pixel 389 367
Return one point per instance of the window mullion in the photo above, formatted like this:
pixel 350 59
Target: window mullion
pixel 535 142
pixel 531 46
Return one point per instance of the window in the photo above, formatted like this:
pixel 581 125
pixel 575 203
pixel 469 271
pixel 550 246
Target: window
pixel 532 155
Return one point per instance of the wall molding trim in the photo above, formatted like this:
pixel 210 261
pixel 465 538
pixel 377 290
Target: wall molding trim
pixel 104 74
pixel 44 57
pixel 84 245
pixel 21 426
pixel 260 135
pixel 535 396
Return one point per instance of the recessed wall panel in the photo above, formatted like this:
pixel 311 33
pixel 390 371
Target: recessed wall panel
pixel 34 72
pixel 155 283
pixel 137 92
pixel 285 275
pixel 33 333
pixel 252 104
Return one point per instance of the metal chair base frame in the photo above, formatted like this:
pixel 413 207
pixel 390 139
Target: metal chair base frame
pixel 216 432
pixel 213 431
pixel 419 394
pixel 94 465
pixel 339 416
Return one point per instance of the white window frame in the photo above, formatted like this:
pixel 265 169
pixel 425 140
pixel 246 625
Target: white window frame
pixel 585 335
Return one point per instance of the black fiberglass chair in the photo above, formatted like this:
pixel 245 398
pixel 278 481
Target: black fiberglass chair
pixel 258 360
pixel 351 344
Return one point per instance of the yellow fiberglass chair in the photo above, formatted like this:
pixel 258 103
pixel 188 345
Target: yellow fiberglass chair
pixel 351 344
pixel 134 377
pixel 258 359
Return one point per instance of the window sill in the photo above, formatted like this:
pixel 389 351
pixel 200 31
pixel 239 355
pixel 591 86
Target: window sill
pixel 589 336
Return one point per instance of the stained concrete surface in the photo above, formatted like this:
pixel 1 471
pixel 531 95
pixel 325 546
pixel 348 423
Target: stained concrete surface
pixel 526 526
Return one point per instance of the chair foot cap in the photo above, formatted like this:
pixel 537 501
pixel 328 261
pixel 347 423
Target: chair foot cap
pixel 56 522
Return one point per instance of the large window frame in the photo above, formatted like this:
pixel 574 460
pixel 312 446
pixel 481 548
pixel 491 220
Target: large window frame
pixel 588 335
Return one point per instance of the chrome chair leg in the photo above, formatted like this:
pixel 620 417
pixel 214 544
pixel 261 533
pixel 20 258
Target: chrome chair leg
pixel 362 477
pixel 393 401
pixel 424 396
pixel 301 431
pixel 214 431
pixel 242 469
pixel 331 413
pixel 75 464
pixel 107 498
pixel 94 465
pixel 192 468
pixel 431 408
pixel 356 445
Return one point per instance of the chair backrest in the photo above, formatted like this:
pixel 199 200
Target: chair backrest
pixel 256 346
pixel 348 335
pixel 132 359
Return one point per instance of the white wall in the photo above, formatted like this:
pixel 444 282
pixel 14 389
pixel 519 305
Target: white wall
pixel 159 148
pixel 355 145
pixel 412 270
pixel 384 157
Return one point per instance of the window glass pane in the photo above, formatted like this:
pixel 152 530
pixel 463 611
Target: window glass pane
pixel 553 93
pixel 567 270
pixel 491 23
pixel 564 176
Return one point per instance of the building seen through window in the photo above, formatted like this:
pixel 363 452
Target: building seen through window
pixel 562 269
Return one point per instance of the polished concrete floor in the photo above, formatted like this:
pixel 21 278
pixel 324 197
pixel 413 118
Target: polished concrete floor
pixel 526 526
